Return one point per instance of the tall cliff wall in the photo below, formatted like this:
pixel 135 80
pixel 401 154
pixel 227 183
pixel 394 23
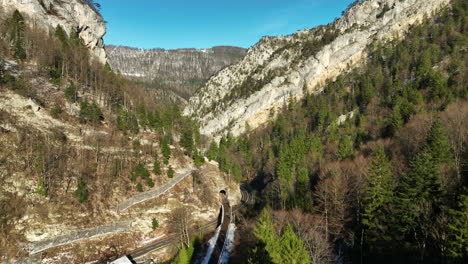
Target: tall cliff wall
pixel 278 68
pixel 181 71
pixel 71 15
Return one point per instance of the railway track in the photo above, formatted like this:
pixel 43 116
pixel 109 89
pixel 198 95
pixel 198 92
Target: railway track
pixel 136 255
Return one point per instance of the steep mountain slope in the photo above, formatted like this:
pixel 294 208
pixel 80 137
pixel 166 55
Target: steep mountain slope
pixel 73 16
pixel 181 70
pixel 249 93
pixel 374 169
pixel 87 158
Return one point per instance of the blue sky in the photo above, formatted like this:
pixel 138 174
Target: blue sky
pixel 173 24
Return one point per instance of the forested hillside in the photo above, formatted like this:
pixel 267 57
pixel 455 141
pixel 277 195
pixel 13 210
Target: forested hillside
pixel 375 167
pixel 76 141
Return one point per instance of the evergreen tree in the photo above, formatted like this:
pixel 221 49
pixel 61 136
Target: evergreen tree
pixel 183 257
pixel 418 187
pixel 139 187
pixel 154 224
pixel 61 35
pixel 284 167
pixel 156 166
pixel 438 144
pixel 459 228
pixel 187 141
pixel 303 196
pixel 71 93
pixel 166 150
pixel 17 35
pixel 345 149
pixel 81 192
pixel 291 249
pixel 378 196
pixel 90 113
pixel 142 116
pixel 396 121
pixel 267 249
pixel 170 172
pixel 212 153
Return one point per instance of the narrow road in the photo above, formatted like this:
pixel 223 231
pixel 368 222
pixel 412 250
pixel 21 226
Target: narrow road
pixel 246 198
pixel 37 247
pixel 152 194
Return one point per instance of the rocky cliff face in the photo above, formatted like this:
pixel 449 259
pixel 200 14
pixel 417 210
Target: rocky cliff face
pixel 71 15
pixel 181 70
pixel 278 68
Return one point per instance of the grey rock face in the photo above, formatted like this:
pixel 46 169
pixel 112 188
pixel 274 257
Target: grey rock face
pixel 70 14
pixel 249 93
pixel 181 71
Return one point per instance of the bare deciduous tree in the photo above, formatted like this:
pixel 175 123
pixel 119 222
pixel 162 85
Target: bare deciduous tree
pixel 180 224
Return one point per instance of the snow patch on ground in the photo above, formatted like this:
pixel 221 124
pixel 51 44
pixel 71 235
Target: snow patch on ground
pixel 152 239
pixel 211 245
pixel 228 244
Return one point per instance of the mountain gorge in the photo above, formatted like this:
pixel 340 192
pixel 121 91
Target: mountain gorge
pixel 180 71
pixel 345 143
pixel 249 93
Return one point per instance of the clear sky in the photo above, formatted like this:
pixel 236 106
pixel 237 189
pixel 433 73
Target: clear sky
pixel 173 24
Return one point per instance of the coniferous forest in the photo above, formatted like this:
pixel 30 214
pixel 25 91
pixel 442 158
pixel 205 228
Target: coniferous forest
pixel 387 184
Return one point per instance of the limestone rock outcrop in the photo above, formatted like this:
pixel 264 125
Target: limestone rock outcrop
pixel 71 15
pixel 249 93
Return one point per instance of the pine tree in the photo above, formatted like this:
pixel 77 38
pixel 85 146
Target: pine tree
pixel 303 195
pixel 417 187
pixel 183 257
pixel 459 228
pixel 170 172
pixel 81 192
pixel 212 153
pixel 267 249
pixel 378 196
pixel 154 224
pixel 291 249
pixel 438 144
pixel 187 141
pixel 17 35
pixel 396 121
pixel 166 150
pixel 345 149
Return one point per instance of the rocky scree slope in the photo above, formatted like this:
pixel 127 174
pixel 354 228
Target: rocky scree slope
pixel 71 15
pixel 277 68
pixel 181 71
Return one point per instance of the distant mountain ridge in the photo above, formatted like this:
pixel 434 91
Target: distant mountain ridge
pixel 181 71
